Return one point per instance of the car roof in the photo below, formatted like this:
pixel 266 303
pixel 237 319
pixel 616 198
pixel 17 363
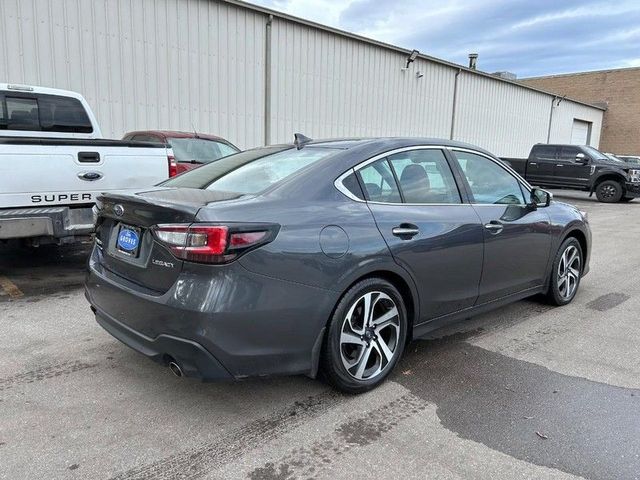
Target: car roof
pixel 388 143
pixel 559 145
pixel 178 134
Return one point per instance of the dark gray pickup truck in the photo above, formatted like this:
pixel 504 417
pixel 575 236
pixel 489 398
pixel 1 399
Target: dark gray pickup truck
pixel 579 167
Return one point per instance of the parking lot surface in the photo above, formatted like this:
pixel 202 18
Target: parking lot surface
pixel 527 391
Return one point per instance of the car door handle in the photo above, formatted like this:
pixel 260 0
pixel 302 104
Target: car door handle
pixel 494 227
pixel 405 231
pixel 532 163
pixel 559 165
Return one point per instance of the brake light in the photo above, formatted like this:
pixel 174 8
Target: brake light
pixel 212 243
pixel 173 166
pixel 246 238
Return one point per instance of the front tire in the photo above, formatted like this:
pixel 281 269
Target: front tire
pixel 566 273
pixel 366 336
pixel 609 191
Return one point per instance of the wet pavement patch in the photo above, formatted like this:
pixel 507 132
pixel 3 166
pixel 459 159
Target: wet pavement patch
pixel 591 429
pixel 608 301
pixel 47 270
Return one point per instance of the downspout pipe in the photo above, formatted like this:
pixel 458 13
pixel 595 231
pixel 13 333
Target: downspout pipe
pixel 267 82
pixel 455 104
pixel 553 106
pixel 553 101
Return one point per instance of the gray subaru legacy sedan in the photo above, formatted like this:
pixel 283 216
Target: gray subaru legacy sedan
pixel 325 256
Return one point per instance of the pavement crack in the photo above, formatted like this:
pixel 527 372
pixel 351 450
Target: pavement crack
pixel 200 460
pixel 44 373
pixel 367 429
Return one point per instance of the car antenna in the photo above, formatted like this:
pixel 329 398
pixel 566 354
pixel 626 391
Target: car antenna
pixel 299 140
pixel 195 134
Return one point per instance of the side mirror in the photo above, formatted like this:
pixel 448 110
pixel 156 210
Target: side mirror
pixel 581 159
pixel 540 197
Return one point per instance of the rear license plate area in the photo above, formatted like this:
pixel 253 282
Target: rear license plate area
pixel 128 240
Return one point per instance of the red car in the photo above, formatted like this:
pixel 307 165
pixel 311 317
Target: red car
pixel 190 149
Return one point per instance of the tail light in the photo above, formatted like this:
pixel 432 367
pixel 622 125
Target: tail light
pixel 213 243
pixel 173 166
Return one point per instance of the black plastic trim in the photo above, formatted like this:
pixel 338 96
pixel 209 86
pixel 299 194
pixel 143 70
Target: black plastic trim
pixel 95 142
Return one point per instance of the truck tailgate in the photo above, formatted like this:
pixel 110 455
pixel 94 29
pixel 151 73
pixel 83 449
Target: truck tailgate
pixel 38 172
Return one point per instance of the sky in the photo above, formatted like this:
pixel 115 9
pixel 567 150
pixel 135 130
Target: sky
pixel 528 38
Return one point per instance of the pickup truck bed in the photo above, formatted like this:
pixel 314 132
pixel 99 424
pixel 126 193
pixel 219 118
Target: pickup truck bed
pixel 54 163
pixel 48 186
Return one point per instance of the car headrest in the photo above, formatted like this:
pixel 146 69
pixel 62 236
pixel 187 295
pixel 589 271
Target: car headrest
pixel 414 176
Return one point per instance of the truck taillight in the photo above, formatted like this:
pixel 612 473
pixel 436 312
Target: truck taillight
pixel 203 243
pixel 173 166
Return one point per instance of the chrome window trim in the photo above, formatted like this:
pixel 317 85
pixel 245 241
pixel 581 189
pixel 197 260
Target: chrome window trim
pixel 345 191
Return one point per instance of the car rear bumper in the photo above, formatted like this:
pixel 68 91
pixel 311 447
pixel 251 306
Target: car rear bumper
pixel 216 322
pixel 193 358
pixel 57 222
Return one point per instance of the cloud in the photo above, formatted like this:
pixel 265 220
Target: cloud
pixel 525 37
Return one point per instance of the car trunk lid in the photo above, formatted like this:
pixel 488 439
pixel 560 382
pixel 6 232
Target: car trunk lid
pixel 125 239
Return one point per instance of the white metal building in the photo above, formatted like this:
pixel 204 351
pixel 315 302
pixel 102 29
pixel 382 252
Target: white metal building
pixel 256 76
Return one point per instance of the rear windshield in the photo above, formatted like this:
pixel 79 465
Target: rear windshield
pixel 40 112
pixel 199 149
pixel 250 172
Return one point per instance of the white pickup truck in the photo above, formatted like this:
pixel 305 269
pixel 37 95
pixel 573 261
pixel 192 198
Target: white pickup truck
pixel 54 162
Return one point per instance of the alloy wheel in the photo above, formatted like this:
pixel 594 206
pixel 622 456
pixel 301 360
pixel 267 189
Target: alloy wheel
pixel 569 272
pixel 608 191
pixel 369 335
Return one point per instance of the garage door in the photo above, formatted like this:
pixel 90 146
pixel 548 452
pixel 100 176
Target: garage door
pixel 580 132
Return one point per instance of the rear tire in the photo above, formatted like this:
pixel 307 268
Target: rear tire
pixel 366 336
pixel 609 191
pixel 566 273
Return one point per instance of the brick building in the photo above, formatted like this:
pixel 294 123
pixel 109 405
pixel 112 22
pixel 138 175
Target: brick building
pixel 618 90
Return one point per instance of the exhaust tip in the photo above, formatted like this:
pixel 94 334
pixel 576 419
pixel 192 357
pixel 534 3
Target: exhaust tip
pixel 175 369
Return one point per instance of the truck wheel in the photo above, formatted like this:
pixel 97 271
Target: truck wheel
pixel 609 191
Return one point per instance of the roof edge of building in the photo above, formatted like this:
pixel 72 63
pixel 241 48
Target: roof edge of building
pixel 361 38
pixel 587 72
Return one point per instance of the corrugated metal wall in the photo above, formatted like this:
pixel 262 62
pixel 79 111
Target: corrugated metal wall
pixel 499 116
pixel 329 86
pixel 141 64
pixel 185 64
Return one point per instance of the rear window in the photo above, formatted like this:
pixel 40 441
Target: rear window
pixel 199 149
pixel 250 172
pixel 22 113
pixel 47 113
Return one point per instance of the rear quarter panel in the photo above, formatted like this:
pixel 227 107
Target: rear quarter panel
pixel 319 243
